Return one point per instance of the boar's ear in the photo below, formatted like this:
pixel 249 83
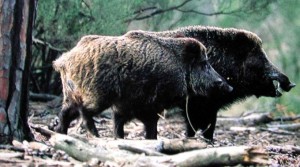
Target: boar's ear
pixel 246 41
pixel 192 50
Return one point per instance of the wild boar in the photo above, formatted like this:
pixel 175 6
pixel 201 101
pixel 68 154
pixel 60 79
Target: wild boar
pixel 237 55
pixel 136 70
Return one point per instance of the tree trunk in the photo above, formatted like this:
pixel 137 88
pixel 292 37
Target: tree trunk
pixel 16 23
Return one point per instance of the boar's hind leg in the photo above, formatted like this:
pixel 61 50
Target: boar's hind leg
pixel 66 116
pixel 88 121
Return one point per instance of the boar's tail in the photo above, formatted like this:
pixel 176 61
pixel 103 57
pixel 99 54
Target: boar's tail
pixel 57 66
pixel 60 63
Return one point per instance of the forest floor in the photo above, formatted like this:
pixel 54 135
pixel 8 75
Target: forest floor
pixel 42 114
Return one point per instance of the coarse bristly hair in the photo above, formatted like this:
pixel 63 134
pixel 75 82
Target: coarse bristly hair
pixel 237 55
pixel 137 69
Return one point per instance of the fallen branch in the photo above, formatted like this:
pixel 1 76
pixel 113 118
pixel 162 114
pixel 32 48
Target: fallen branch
pixel 41 97
pixel 280 131
pixel 140 150
pixel 33 161
pixel 170 146
pixel 287 149
pixel 11 155
pixel 293 118
pixel 292 127
pixel 13 148
pixel 213 156
pixel 249 120
pixel 241 129
pixel 14 161
pixel 84 151
pixel 222 156
pixel 167 146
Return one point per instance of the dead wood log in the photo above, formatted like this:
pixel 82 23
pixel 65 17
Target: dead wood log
pixel 171 146
pixel 11 155
pixel 281 128
pixel 140 150
pixel 292 127
pixel 280 131
pixel 222 156
pixel 13 148
pixel 206 157
pixel 34 162
pixel 41 97
pixel 83 151
pixel 248 120
pixel 176 145
pixel 253 118
pixel 242 128
pixel 292 118
pixel 13 161
pixel 287 149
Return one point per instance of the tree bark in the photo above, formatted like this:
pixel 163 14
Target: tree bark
pixel 16 23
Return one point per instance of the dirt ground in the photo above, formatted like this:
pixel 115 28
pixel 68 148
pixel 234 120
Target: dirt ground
pixel 170 127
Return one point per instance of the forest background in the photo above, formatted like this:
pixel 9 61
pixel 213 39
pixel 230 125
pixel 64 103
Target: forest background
pixel 60 24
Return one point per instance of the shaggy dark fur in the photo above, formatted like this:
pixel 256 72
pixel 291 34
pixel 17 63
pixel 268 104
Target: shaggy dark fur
pixel 136 70
pixel 237 55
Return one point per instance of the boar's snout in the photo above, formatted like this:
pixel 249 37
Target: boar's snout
pixel 223 86
pixel 287 87
pixel 283 80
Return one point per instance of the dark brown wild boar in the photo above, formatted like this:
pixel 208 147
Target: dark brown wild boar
pixel 136 70
pixel 237 55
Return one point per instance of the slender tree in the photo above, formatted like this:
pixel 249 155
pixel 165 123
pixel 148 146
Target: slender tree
pixel 16 22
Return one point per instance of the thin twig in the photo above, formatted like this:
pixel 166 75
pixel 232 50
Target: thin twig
pixel 187 113
pixel 156 12
pixel 38 41
pixel 210 14
pixel 45 132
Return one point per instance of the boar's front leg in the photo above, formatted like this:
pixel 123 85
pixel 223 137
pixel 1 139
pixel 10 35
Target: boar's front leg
pixel 208 126
pixel 202 117
pixel 150 125
pixel 68 113
pixel 206 123
pixel 151 129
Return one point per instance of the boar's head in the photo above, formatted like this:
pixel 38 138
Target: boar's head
pixel 202 79
pixel 265 77
pixel 248 69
